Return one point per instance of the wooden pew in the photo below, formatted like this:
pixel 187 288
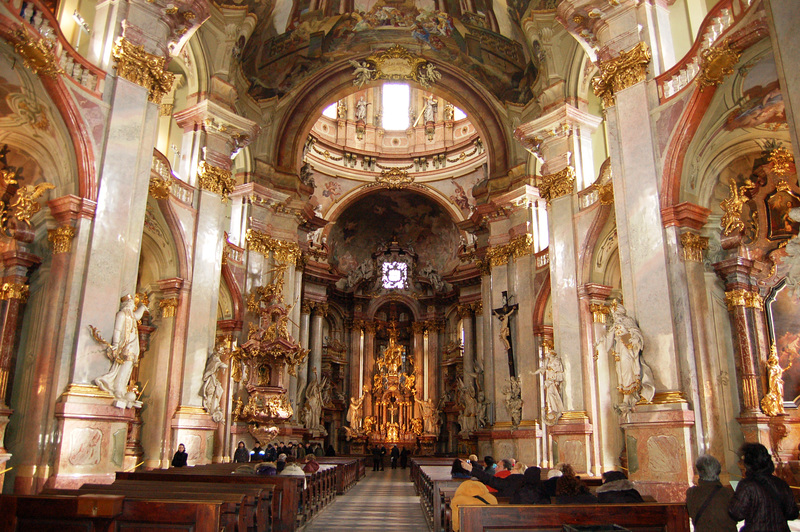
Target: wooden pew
pixel 285 501
pixel 642 517
pixel 99 513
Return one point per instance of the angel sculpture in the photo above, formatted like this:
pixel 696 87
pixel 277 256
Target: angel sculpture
pixel 429 75
pixel 362 72
pixel 25 203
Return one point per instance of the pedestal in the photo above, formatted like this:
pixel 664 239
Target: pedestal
pixel 93 438
pixel 502 441
pixel 192 426
pixel 358 445
pixel 467 445
pixel 571 442
pixel 658 443
pixel 133 448
pixel 427 444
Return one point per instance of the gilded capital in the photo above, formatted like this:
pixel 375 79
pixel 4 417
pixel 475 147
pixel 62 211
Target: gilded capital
pixel 160 188
pixel 147 70
pixel 215 179
pixel 599 312
pixel 306 307
pixel 262 243
pixel 321 309
pixel 168 307
pixel 464 310
pixel 743 298
pixel 518 247
pixel 553 186
pixel 693 246
pixel 14 291
pixel 624 71
pixel 781 160
pixel 418 327
pixel 61 238
pixel 477 308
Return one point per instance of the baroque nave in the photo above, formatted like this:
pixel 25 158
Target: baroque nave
pixel 560 231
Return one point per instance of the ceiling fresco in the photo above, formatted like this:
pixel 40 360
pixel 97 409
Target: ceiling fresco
pixel 418 222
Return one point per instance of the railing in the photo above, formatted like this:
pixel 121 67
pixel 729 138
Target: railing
pixel 716 23
pixel 40 21
pixel 543 258
pixel 588 196
pixel 182 192
pixel 233 252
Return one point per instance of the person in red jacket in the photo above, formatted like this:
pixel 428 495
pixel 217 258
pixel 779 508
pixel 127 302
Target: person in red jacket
pixel 311 465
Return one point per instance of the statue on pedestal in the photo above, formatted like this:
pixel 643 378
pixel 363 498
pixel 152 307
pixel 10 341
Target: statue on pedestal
pixel 468 416
pixel 313 405
pixel 430 415
pixel 553 377
pixel 123 352
pixel 213 391
pixel 772 403
pixel 354 413
pixel 624 340
pixel 513 394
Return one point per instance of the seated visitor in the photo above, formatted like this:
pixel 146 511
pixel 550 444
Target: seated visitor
pixel 474 461
pixel 762 500
pixel 504 468
pixel 241 454
pixel 552 480
pixel 330 451
pixel 469 493
pixel 458 471
pixel 617 489
pixel 490 465
pixel 708 501
pixel 503 486
pixel 291 468
pixel 179 460
pixel 268 469
pixel 311 465
pixel 280 463
pixel 570 489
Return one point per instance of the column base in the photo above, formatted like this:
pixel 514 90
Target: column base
pixel 193 427
pixel 94 433
pixel 503 441
pixel 658 444
pixel 571 441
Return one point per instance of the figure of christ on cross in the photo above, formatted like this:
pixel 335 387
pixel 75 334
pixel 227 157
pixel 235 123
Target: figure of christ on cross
pixel 504 315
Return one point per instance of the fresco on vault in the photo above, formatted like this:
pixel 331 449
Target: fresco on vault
pixel 761 104
pixel 417 221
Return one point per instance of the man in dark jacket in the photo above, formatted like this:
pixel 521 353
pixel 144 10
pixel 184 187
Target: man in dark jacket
pixel 707 503
pixel 617 489
pixel 395 456
pixel 376 458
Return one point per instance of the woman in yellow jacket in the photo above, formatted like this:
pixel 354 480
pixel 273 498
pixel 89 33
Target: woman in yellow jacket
pixel 469 493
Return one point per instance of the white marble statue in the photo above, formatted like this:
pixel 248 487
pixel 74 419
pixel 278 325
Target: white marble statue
pixel 553 377
pixel 354 412
pixel 624 341
pixel 513 399
pixel 313 404
pixel 124 354
pixel 482 416
pixel 793 258
pixel 430 273
pixel 430 416
pixel 213 391
pixel 468 416
pixel 361 109
pixel 431 106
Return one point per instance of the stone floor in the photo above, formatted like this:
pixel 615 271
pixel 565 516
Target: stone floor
pixel 383 500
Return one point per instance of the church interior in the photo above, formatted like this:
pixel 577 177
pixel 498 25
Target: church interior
pixel 558 230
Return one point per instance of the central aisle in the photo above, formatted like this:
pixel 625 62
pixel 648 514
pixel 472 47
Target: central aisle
pixel 382 500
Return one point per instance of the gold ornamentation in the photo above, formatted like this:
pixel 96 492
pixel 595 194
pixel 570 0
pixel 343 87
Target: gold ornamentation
pixel 477 308
pixel 624 71
pixel 743 298
pixel 263 435
pixel 575 415
pixel 599 312
pixel 671 397
pixel 605 193
pixel 160 188
pixel 165 109
pixel 37 54
pixel 14 291
pixel 732 207
pixel 772 402
pixel 519 247
pixel 262 243
pixel 215 179
pixel 395 64
pixel 394 179
pixel 553 186
pixel 61 238
pixel 693 246
pixel 25 202
pixel 716 63
pixel 781 160
pixel 464 310
pixel 86 390
pixel 147 70
pixel 168 307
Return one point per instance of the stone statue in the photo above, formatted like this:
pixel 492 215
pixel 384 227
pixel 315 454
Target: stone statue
pixel 449 111
pixel 123 352
pixel 793 258
pixel 341 110
pixel 430 273
pixel 772 403
pixel 431 106
pixel 430 415
pixel 553 377
pixel 468 417
pixel 482 417
pixel 513 393
pixel 624 341
pixel 313 405
pixel 354 412
pixel 361 109
pixel 212 388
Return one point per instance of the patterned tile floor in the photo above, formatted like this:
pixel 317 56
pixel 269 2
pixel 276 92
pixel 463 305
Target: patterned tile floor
pixel 381 501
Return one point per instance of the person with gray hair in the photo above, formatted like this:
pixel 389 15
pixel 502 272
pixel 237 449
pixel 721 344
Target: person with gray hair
pixel 707 502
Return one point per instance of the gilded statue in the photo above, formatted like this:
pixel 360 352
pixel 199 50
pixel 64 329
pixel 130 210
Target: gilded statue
pixel 772 403
pixel 393 355
pixel 25 204
pixel 732 207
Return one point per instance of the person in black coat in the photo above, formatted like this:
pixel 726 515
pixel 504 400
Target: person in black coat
pixel 179 460
pixel 383 453
pixel 570 489
pixel 395 456
pixel 404 458
pixel 241 454
pixel 617 489
pixel 257 455
pixel 330 451
pixel 376 458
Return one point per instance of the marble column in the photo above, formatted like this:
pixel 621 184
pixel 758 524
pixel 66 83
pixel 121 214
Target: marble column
pixel 417 348
pixel 369 365
pixel 468 355
pixel 315 357
pixel 305 341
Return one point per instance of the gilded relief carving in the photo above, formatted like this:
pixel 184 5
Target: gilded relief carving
pixel 621 72
pixel 142 68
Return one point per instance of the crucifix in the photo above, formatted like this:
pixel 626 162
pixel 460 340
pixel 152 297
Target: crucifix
pixel 504 315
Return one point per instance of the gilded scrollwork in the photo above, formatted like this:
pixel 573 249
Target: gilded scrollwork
pixel 264 244
pixel 37 53
pixel 395 64
pixel 394 178
pixel 716 63
pixel 553 186
pixel 61 238
pixel 142 68
pixel 168 307
pixel 160 188
pixel 25 204
pixel 781 160
pixel 621 72
pixel 693 246
pixel 732 207
pixel 215 179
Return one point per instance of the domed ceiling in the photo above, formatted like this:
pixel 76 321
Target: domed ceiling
pixel 416 221
pixel 293 41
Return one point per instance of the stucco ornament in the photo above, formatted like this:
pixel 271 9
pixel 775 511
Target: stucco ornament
pixel 793 258
pixel 513 400
pixel 553 371
pixel 213 391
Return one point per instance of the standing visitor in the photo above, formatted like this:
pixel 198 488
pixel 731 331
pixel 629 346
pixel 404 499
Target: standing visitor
pixel 179 460
pixel 708 501
pixel 241 454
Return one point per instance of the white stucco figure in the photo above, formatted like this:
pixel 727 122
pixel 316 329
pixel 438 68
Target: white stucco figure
pixel 624 341
pixel 213 391
pixel 354 412
pixel 313 404
pixel 513 399
pixel 361 109
pixel 793 258
pixel 431 106
pixel 468 417
pixel 429 415
pixel 553 377
pixel 124 354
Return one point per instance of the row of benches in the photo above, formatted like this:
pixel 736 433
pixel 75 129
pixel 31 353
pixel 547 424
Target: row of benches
pixel 204 498
pixel 432 481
